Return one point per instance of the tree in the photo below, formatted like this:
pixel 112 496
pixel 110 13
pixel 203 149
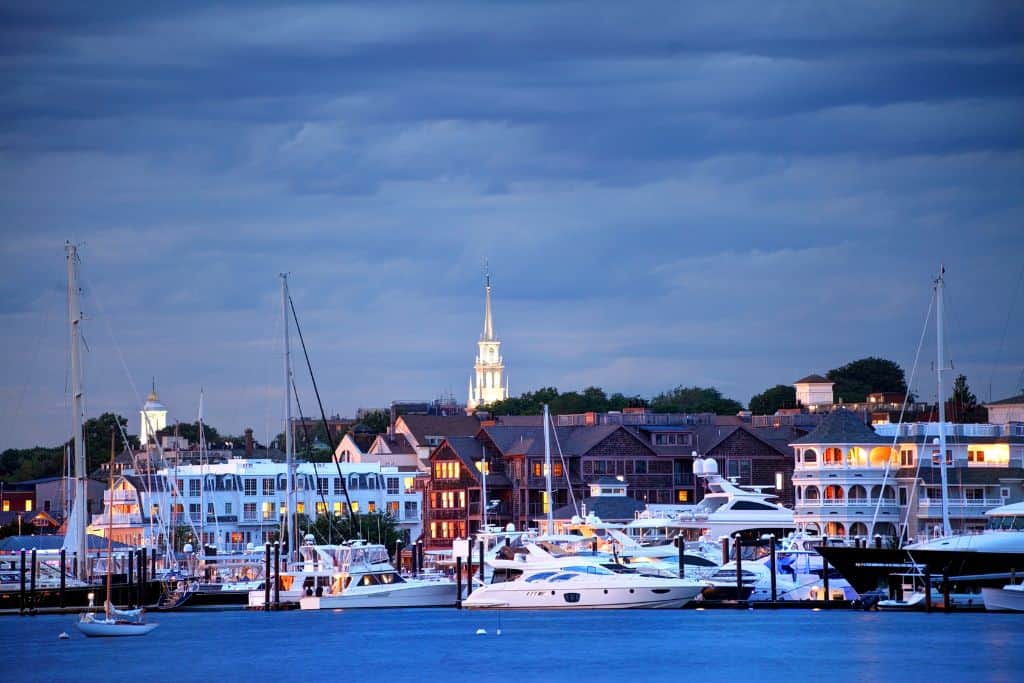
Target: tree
pixel 96 433
pixel 190 432
pixel 373 527
pixel 855 380
pixel 963 404
pixel 376 419
pixel 695 400
pixel 771 400
pixel 19 464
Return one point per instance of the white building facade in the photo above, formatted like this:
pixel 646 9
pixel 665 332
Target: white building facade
pixel 854 481
pixel 245 500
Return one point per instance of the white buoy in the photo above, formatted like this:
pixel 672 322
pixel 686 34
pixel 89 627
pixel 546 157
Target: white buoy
pixel 498 632
pixel 63 635
pixel 481 632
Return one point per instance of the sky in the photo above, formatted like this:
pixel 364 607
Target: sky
pixel 727 194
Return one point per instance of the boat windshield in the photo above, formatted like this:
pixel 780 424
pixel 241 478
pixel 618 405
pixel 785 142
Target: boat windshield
pixel 709 504
pixel 1006 523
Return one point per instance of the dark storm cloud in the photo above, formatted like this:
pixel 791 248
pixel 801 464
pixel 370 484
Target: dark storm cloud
pixel 731 194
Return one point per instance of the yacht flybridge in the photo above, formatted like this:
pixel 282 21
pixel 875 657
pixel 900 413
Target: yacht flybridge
pixel 728 509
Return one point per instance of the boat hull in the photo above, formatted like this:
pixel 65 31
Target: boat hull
pixel 102 629
pixel 1003 599
pixel 528 597
pixel 432 594
pixel 869 569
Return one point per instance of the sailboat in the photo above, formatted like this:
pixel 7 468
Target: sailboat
pixel 114 622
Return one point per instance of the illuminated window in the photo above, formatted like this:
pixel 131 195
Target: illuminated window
pixel 337 509
pixel 409 483
pixel 975 456
pixel 268 510
pixel 28 505
pixel 7 506
pixel 682 496
pixel 393 508
pixel 154 510
pixel 371 506
pixel 935 457
pixel 300 508
pixel 321 508
pixel 545 502
pixel 433 529
pixel 355 506
pixel 462 499
pixel 538 468
pixel 556 469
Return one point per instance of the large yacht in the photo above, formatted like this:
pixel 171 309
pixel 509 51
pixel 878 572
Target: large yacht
pixel 584 586
pixel 987 558
pixel 728 510
pixel 362 576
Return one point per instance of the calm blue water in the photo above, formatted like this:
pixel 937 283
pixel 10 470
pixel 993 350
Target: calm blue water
pixel 404 646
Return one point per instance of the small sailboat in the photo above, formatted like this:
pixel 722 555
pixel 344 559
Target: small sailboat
pixel 114 622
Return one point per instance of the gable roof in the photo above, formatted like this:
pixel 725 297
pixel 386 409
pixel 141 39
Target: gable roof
pixel 842 426
pixel 396 444
pixel 1012 401
pixel 608 508
pixel 422 426
pixel 469 450
pixel 529 440
pixel 814 379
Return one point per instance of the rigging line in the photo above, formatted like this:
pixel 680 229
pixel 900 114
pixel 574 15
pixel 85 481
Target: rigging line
pixel 903 410
pixel 327 427
pixel 309 458
pixel 1006 327
pixel 565 467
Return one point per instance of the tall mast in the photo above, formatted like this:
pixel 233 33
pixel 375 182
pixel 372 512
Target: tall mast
pixel 289 447
pixel 547 472
pixel 110 525
pixel 75 540
pixel 939 283
pixel 202 480
pixel 483 491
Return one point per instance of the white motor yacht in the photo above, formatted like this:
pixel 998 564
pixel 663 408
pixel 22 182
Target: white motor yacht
pixel 584 586
pixel 363 577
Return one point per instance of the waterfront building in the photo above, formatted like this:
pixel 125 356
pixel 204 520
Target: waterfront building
pixel 488 383
pixel 853 480
pixel 245 500
pixel 1006 410
pixel 653 452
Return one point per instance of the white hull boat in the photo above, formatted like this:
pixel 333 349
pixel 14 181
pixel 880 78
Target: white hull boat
pixel 105 628
pixel 584 587
pixel 409 593
pixel 1006 599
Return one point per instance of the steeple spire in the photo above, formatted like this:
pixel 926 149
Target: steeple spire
pixel 488 322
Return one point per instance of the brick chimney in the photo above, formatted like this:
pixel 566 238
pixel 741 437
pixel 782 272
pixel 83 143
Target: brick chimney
pixel 248 442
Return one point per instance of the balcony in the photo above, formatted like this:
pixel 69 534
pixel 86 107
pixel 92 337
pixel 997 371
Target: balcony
pixel 855 504
pixel 958 507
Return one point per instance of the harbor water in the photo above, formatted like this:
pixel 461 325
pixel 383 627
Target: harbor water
pixel 404 646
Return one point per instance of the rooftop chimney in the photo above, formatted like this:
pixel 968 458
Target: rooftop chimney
pixel 248 442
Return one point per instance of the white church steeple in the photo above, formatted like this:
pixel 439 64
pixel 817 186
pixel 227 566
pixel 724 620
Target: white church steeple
pixel 489 385
pixel 152 418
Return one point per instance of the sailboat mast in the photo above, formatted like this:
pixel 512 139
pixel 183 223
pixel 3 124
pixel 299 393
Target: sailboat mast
pixel 547 472
pixel 202 480
pixel 110 524
pixel 939 283
pixel 289 447
pixel 483 487
pixel 76 520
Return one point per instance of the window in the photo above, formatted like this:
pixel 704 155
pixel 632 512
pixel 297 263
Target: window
pixel 250 489
pixel 371 507
pixel 337 486
pixel 180 490
pixel 355 506
pixel 739 469
pixel 538 468
pixel 935 457
pixel 392 486
pixel 300 508
pixel 600 467
pixel 906 457
pixel 338 508
pixel 682 496
pixel 411 511
pixel 321 508
pixel 556 469
pixel 640 466
pixel 7 506
pixel 810 455
pixel 903 495
pixel 249 509
pixel 268 510
pixel 975 456
pixel 193 488
pixel 210 509
pixel 46 506
pixel 974 493
pixel 392 508
pixel 28 505
pixel 750 505
pixel 268 486
pixel 193 510
pixel 1004 492
pixel 321 486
